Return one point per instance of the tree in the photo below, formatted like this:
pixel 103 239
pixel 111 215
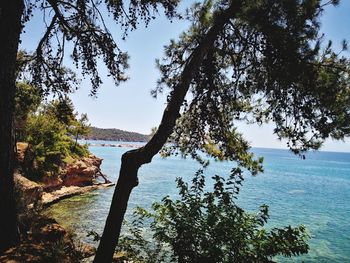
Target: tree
pixel 10 28
pixel 62 109
pixel 81 127
pixel 253 61
pixel 27 100
pixel 48 144
pixel 50 131
pixel 78 22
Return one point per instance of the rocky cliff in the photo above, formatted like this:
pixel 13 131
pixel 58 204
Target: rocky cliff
pixel 28 192
pixel 76 177
pixel 80 172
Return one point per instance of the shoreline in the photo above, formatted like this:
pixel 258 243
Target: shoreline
pixel 40 231
pixel 119 145
pixel 50 198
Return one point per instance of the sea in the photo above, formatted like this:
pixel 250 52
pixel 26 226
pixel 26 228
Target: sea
pixel 314 191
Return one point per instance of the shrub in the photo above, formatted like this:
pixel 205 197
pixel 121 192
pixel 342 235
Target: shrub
pixel 50 139
pixel 208 226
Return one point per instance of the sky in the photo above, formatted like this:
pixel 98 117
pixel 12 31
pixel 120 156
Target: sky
pixel 131 107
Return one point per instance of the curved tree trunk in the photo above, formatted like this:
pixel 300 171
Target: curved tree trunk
pixel 132 160
pixel 10 29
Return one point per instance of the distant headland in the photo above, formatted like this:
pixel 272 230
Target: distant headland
pixel 115 135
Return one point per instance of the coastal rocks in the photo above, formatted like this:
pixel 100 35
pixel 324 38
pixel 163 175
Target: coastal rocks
pixel 21 151
pixel 82 172
pixel 47 241
pixel 52 182
pixel 50 198
pixel 30 193
pixel 77 178
pixel 48 230
pixel 93 160
pixel 78 172
pixel 42 238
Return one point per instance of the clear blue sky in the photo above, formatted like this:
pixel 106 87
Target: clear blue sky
pixel 130 106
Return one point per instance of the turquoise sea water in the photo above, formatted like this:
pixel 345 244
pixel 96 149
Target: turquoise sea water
pixel 314 192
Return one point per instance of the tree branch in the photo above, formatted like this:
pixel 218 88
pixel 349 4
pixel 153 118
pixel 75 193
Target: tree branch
pixel 60 17
pixel 171 113
pixel 46 35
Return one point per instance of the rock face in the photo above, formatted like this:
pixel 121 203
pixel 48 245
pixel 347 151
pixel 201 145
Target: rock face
pixel 52 182
pixel 21 150
pixel 82 172
pixel 30 193
pixel 49 198
pixel 47 241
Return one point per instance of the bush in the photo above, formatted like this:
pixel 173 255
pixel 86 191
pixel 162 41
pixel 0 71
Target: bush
pixel 208 227
pixel 78 150
pixel 50 140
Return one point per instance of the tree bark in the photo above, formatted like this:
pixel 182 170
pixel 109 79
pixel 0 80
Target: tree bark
pixel 10 28
pixel 132 160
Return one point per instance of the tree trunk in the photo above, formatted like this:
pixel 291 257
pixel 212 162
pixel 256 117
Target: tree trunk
pixel 132 160
pixel 10 29
pixel 127 180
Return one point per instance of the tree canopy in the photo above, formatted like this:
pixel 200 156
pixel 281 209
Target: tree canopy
pixel 268 63
pixel 82 23
pixel 251 61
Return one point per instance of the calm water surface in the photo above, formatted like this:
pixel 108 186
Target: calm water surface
pixel 314 192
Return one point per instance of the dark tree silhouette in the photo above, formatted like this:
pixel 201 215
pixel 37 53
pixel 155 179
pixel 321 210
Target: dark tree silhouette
pixel 10 28
pixel 79 22
pixel 252 61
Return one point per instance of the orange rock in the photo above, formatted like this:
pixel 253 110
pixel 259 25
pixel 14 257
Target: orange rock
pixel 81 172
pixel 21 150
pixel 30 191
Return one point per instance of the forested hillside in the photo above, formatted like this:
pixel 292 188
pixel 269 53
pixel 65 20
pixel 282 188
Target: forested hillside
pixel 115 135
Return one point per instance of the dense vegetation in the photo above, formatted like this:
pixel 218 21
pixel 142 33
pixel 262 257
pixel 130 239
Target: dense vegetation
pixel 51 130
pixel 203 226
pixel 115 135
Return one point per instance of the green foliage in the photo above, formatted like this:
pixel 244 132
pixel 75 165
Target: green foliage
pixel 208 226
pixel 46 135
pixel 268 64
pixel 62 110
pixel 134 246
pixel 64 250
pixel 82 25
pixel 80 127
pixel 49 131
pixel 115 135
pixel 27 100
